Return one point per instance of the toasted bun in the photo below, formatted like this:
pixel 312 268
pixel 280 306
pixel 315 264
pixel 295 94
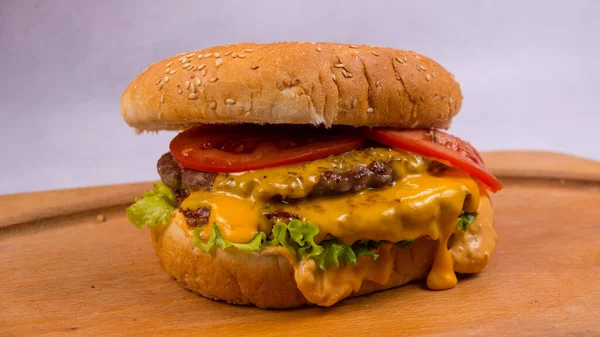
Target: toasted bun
pixel 266 281
pixel 293 83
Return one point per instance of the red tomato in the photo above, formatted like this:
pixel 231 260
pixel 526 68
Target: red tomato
pixel 439 145
pixel 243 148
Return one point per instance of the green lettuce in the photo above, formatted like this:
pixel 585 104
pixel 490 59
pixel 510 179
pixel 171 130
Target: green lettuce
pixel 404 243
pixel 154 208
pixel 217 239
pixel 465 220
pixel 298 237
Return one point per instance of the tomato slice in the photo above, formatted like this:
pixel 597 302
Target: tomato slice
pixel 439 145
pixel 242 148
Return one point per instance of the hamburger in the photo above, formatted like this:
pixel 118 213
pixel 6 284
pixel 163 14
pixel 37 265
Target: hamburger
pixel 306 173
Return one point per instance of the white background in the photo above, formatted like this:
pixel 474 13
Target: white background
pixel 529 70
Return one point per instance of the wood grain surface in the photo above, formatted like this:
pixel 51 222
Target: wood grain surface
pixel 65 273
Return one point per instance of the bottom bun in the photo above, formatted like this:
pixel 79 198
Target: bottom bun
pixel 262 279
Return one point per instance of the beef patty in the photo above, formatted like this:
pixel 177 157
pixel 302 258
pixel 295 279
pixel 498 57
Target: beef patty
pixel 353 179
pixel 336 181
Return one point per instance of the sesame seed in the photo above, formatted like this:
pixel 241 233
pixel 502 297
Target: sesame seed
pixel 218 62
pixel 204 71
pixel 158 81
pixel 254 67
pixel 374 53
pixel 450 100
pixel 207 55
pixel 242 56
pixel 166 79
pixel 353 46
pixel 217 55
pixel 187 66
pixel 417 57
pixel 202 66
pixel 162 98
pixel 405 59
pixel 186 84
pixel 420 67
pixel 433 75
pixel 230 101
pixel 399 60
pixel 179 91
pixel 198 82
pixel 369 110
pixel 182 59
pixel 234 55
pixel 199 56
pixel 169 64
pixel 347 74
pixel 354 102
pixel 167 70
pixel 442 97
pixel 333 77
pixel 339 65
pixel 398 78
pixel 377 84
pixel 318 49
pixel 213 79
pixel 248 50
pixel 160 87
pixel 192 87
pixel 427 77
pixel 228 53
pixel 171 72
pixel 190 55
pixel 212 105
pixel 192 96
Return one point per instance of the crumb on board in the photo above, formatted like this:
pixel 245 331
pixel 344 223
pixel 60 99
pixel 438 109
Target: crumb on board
pixel 100 218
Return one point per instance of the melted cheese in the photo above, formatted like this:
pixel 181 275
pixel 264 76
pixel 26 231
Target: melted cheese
pixel 297 181
pixel 417 205
pixel 238 218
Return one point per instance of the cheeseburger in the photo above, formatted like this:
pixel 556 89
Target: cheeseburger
pixel 306 173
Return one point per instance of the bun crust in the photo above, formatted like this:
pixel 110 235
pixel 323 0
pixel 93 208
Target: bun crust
pixel 292 83
pixel 260 279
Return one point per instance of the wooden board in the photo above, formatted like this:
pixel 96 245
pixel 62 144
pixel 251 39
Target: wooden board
pixel 65 273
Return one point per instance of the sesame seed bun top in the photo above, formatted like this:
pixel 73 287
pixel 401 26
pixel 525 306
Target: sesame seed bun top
pixel 292 83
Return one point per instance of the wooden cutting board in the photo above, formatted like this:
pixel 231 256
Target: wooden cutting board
pixel 63 272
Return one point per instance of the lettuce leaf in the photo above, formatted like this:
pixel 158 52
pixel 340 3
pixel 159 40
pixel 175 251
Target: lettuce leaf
pixel 465 220
pixel 217 239
pixel 303 234
pixel 154 208
pixel 404 243
pixel 332 253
